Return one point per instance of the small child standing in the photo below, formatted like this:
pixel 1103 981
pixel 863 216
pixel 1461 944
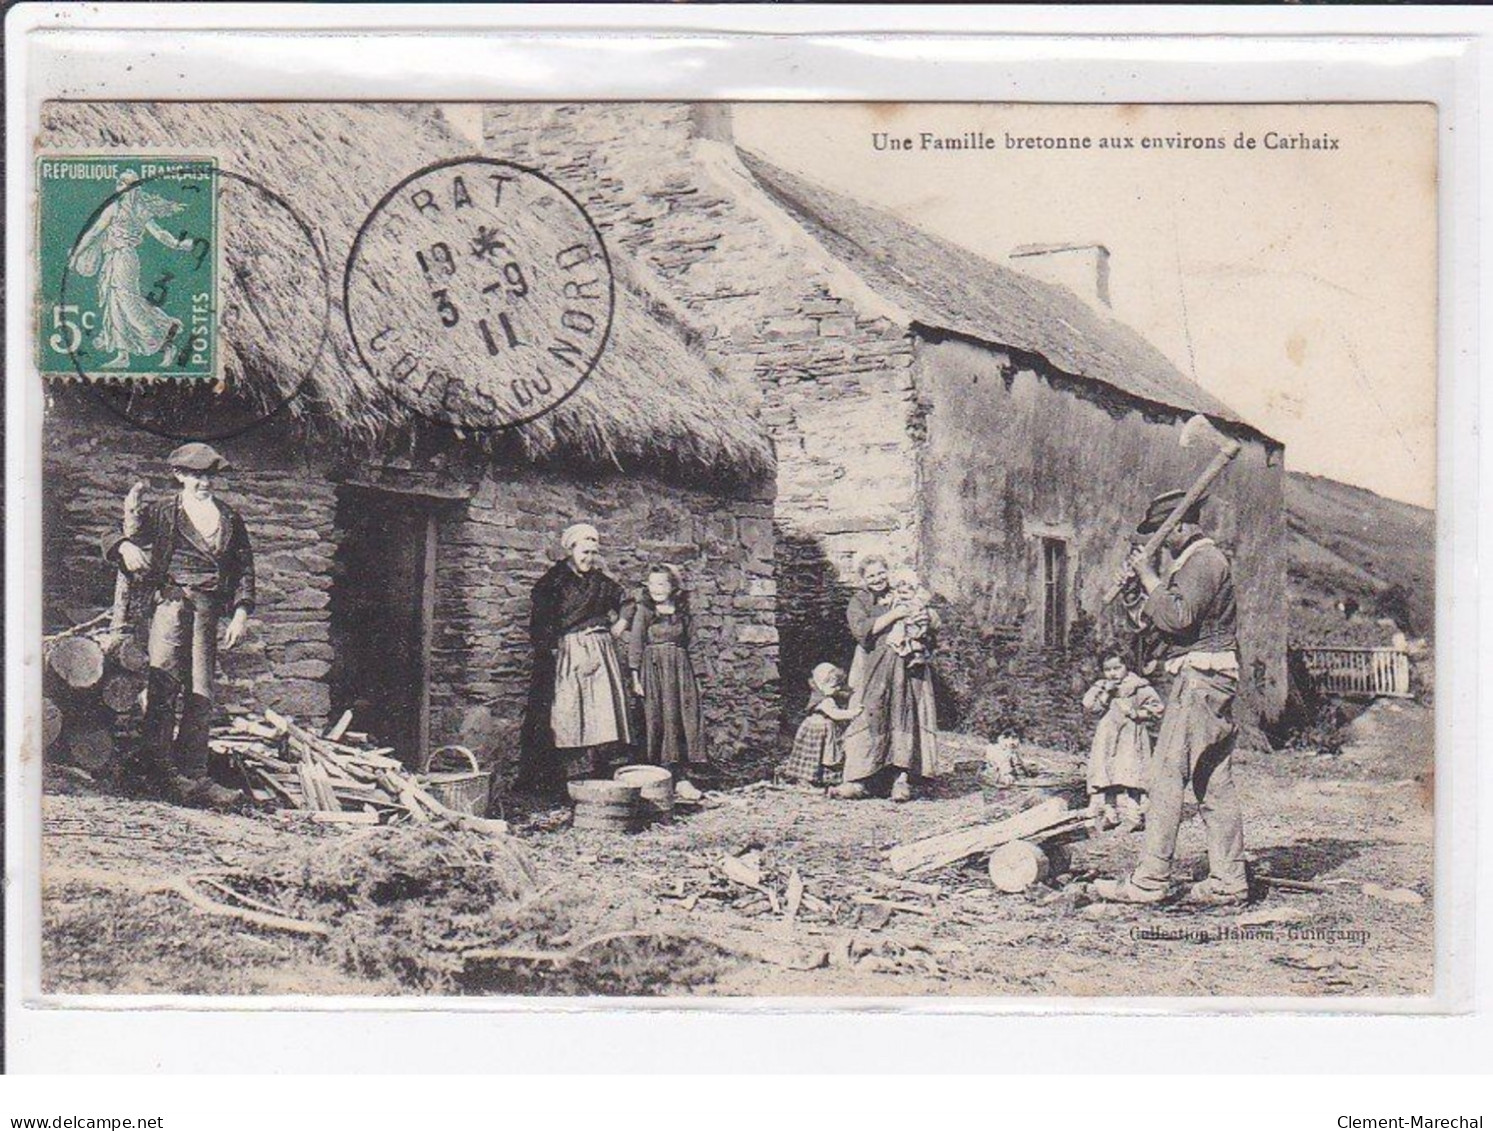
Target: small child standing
pixel 663 674
pixel 817 756
pixel 909 636
pixel 1120 757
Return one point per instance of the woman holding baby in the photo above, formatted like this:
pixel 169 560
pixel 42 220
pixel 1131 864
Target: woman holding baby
pixel 894 740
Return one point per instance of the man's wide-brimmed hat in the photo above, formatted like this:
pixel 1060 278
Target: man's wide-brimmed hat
pixel 1161 509
pixel 197 457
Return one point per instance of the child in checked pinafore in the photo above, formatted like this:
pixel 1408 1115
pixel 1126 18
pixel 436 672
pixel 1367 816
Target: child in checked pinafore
pixel 1120 757
pixel 817 755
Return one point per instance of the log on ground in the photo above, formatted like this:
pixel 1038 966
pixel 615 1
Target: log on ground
pixel 90 748
pixel 51 723
pixel 77 661
pixel 949 848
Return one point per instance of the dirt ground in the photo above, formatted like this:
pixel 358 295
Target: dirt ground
pixel 1361 817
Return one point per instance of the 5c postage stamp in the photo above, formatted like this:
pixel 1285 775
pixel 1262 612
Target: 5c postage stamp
pixel 128 253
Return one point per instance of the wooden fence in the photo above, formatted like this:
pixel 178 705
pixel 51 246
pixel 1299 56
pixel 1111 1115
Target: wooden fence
pixel 1365 672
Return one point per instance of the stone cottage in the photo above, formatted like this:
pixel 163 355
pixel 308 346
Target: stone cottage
pixel 795 379
pixel 395 557
pixel 999 430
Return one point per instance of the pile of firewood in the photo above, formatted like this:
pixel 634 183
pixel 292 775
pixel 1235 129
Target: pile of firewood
pixel 94 677
pixel 95 671
pixel 340 777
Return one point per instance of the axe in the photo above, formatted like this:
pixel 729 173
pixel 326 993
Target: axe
pixel 1197 430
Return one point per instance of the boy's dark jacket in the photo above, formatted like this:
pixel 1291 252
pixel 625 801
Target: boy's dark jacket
pixel 160 530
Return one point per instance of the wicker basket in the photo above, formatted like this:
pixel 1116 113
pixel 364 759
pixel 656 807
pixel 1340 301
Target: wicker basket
pixel 450 775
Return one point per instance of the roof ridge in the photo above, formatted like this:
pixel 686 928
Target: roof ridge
pixel 1090 345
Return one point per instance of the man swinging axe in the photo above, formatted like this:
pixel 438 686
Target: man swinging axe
pixel 1192 608
pixel 199 569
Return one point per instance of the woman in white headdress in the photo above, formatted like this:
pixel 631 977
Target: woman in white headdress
pixel 577 711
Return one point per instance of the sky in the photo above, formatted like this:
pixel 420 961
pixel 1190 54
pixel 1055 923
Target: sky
pixel 1296 285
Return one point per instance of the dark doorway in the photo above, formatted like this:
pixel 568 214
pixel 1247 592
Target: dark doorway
pixel 382 608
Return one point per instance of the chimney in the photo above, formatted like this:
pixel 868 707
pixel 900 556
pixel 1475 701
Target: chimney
pixel 1082 268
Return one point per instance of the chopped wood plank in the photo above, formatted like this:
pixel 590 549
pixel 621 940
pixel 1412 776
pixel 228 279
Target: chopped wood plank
pixel 895 905
pixel 347 817
pixel 328 794
pixel 1081 820
pixel 413 807
pixel 949 848
pixel 428 801
pixel 900 884
pixel 482 824
pixel 309 800
pixel 257 729
pixel 339 728
pixel 287 794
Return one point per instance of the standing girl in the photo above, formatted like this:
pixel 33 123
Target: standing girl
pixel 1120 757
pixel 664 675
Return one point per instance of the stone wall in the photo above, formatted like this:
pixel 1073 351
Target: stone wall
pixel 91 459
pixel 833 363
pixel 1011 457
pixel 491 551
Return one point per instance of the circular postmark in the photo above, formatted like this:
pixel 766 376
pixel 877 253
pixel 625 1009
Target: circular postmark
pixel 479 293
pixel 212 336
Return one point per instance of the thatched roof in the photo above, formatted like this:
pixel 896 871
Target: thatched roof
pixel 652 400
pixel 949 288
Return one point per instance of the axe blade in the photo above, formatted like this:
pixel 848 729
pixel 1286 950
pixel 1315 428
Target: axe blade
pixel 1200 430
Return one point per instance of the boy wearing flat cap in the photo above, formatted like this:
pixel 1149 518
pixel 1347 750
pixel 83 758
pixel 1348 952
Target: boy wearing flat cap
pixel 1192 609
pixel 199 568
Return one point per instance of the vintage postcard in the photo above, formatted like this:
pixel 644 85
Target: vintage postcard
pixel 895 550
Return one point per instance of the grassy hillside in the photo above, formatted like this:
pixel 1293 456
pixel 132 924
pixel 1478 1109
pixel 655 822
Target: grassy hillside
pixel 1349 543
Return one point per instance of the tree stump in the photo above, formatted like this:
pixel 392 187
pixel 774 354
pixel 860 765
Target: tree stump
pixel 120 692
pixel 131 655
pixel 1016 866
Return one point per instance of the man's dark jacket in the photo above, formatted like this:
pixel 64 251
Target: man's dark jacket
pixel 161 531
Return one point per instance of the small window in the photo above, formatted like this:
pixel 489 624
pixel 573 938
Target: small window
pixel 1054 592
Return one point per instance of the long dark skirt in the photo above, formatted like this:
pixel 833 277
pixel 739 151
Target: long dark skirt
pixel 671 707
pixel 898 725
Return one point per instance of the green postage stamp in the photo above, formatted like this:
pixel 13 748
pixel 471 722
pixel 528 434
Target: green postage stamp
pixel 128 249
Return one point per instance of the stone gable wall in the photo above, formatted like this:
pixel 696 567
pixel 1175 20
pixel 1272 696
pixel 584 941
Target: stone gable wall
pixel 1011 458
pixel 832 363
